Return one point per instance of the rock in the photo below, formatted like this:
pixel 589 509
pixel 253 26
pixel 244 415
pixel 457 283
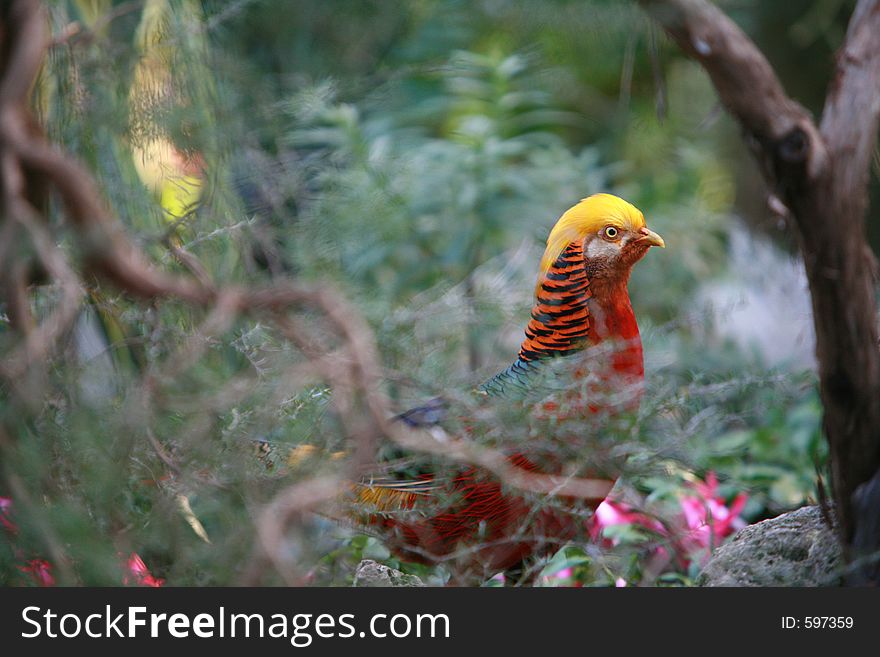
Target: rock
pixel 370 573
pixel 794 549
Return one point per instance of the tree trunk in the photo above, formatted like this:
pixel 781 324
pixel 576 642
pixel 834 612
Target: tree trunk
pixel 820 174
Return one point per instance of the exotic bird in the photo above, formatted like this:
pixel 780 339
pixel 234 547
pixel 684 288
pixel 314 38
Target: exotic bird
pixel 581 303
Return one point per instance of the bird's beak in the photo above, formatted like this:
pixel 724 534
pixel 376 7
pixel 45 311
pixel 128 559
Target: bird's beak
pixel 651 238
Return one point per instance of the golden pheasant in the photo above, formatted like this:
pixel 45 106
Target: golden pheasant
pixel 582 301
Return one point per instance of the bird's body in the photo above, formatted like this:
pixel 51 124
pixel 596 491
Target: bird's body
pixel 581 303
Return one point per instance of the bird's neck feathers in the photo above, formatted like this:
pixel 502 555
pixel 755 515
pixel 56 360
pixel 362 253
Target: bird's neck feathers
pixel 579 303
pixel 571 313
pixel 560 322
pixel 610 306
pixel 615 324
pixel 575 307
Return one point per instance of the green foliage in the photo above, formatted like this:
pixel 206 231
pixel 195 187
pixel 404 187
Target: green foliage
pixel 414 157
pixel 777 457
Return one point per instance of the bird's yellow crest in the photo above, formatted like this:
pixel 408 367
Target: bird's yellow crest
pixel 591 215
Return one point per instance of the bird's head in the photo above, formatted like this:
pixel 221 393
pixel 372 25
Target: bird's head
pixel 613 234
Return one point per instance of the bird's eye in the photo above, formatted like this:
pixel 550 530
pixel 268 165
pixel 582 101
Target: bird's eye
pixel 610 233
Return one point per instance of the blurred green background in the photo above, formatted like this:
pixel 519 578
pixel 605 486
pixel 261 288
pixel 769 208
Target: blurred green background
pixel 413 155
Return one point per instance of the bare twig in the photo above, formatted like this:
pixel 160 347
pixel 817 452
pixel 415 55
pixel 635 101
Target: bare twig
pixel 74 34
pixel 274 521
pixel 348 363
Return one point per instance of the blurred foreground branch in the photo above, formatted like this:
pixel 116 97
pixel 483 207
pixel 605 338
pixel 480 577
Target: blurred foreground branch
pixel 31 169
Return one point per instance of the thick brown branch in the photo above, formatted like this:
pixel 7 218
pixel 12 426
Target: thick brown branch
pixel 852 108
pixel 353 370
pixel 22 55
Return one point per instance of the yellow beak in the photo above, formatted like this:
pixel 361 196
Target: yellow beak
pixel 651 238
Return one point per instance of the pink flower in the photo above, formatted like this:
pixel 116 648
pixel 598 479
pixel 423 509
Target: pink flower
pixel 140 572
pixel 5 515
pixel 611 513
pixel 565 573
pixel 564 577
pixel 40 570
pixel 708 518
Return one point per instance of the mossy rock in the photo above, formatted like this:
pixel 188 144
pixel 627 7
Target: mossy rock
pixel 794 549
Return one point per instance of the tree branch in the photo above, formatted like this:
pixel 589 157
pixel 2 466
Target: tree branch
pixel 821 176
pixel 354 371
pixel 852 107
pixel 745 81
